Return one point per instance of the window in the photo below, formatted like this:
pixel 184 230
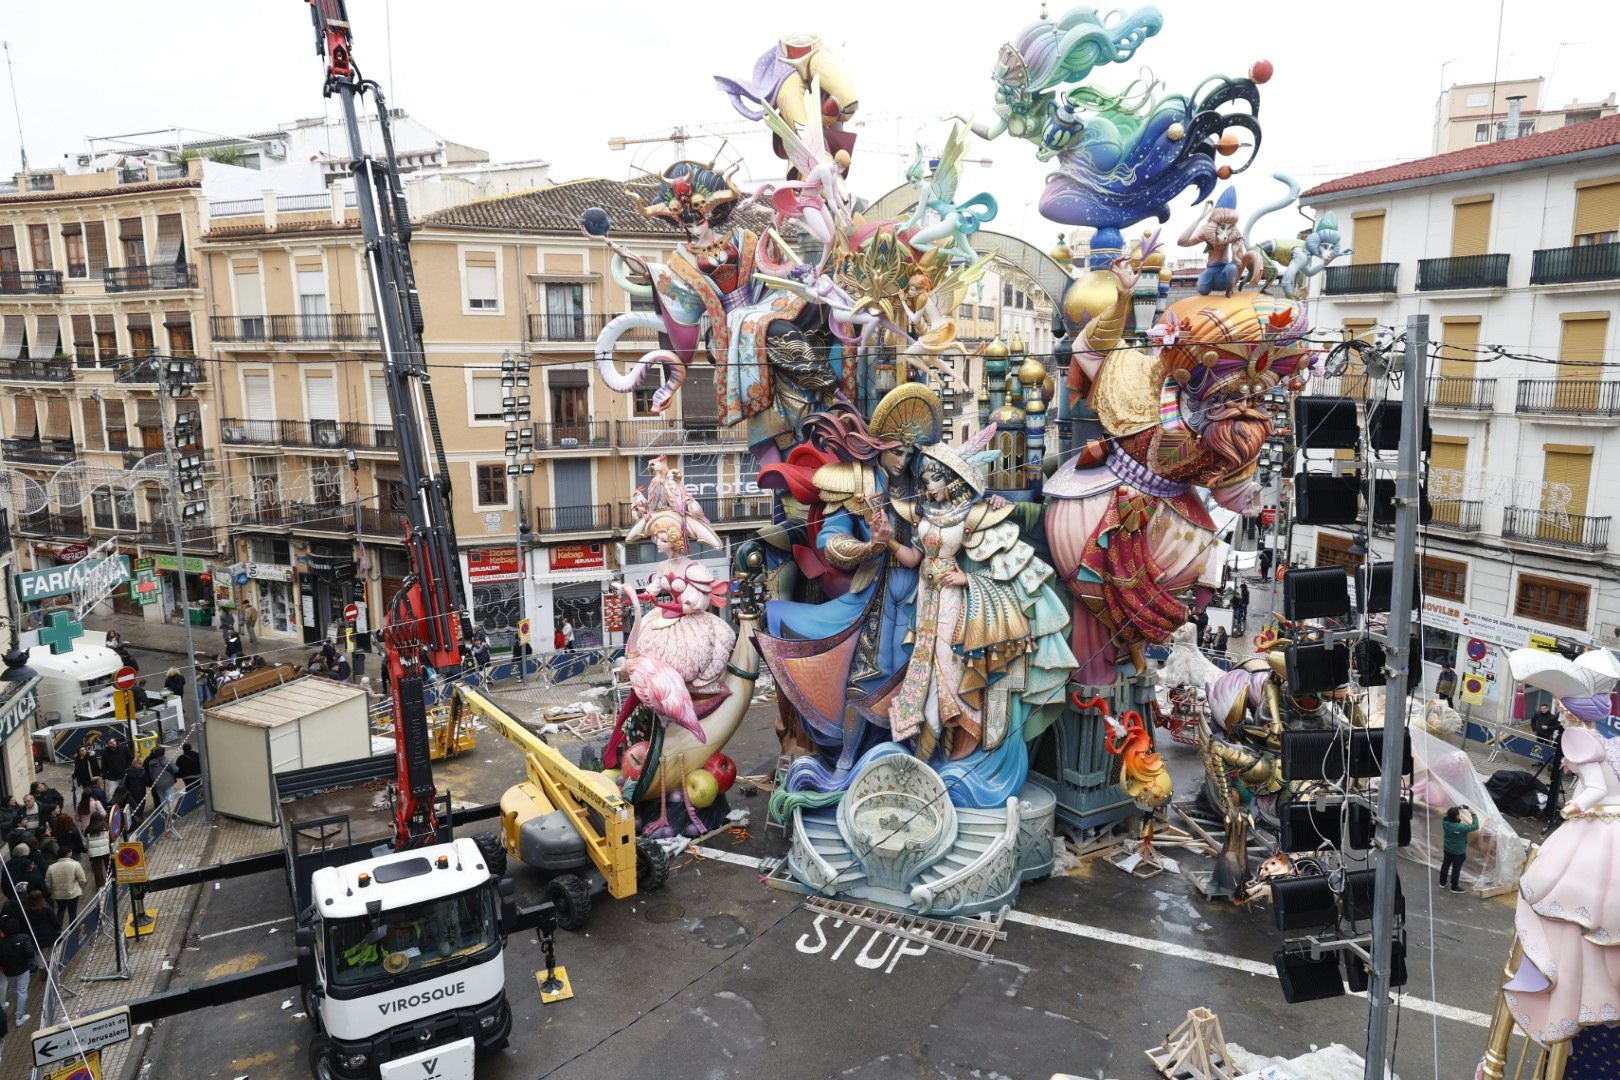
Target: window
pixel 132 240
pixel 94 437
pixel 1597 211
pixel 492 485
pixel 1470 225
pixel 325 483
pixel 1526 127
pixel 482 281
pixel 1367 239
pixel 112 510
pixel 1482 133
pixel 1552 601
pixel 965 311
pixel 1477 100
pixel 311 294
pixel 486 399
pixel 73 244
pixel 106 337
pixel 178 324
pixel 140 336
pixel 117 424
pixel 1446 579
pixel 565 311
pixel 1334 550
pixel 986 312
pixel 1006 295
pixel 570 403
pixel 39 241
pixel 642 401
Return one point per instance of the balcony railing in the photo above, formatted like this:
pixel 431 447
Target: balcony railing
pixel 1457 515
pixel 1354 386
pixel 1576 531
pixel 143 278
pixel 1365 278
pixel 48 282
pixel 1591 397
pixel 1472 395
pixel 582 328
pixel 329 435
pixel 590 518
pixel 656 434
pixel 134 455
pixel 719 509
pixel 59 526
pixel 321 517
pixel 388 524
pixel 1569 265
pixel 1463 272
pixel 162 534
pixel 258 512
pixel 239 432
pixel 295 328
pixel 39 452
pixel 588 433
pixel 54 370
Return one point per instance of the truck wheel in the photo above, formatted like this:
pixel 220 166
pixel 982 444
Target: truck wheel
pixel 572 898
pixel 320 1058
pixel 652 865
pixel 494 852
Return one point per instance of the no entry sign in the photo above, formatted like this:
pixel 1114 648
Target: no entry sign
pixel 125 679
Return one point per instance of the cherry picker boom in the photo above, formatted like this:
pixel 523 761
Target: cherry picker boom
pixel 426 621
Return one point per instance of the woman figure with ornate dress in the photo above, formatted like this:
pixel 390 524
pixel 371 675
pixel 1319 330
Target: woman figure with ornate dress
pixel 1568 917
pixel 990 658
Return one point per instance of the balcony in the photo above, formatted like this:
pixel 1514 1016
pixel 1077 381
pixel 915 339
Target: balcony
pixel 719 509
pixel 250 512
pixel 1576 532
pixel 1457 515
pixel 55 526
pixel 387 524
pixel 321 517
pixel 1468 395
pixel 239 432
pixel 42 282
pixel 148 278
pixel 314 434
pixel 582 328
pixel 1574 265
pixel 589 433
pixel 134 455
pixel 162 534
pixel 1360 280
pixel 655 435
pixel 590 518
pixel 1354 386
pixel 39 452
pixel 1463 272
pixel 1569 397
pixel 283 329
pixel 55 370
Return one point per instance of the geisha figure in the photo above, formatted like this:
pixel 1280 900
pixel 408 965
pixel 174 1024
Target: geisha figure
pixel 990 656
pixel 1120 158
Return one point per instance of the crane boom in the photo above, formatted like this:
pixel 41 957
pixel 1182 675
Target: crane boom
pixel 426 621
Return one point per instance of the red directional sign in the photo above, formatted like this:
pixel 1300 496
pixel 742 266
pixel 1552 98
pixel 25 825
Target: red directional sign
pixel 125 679
pixel 351 613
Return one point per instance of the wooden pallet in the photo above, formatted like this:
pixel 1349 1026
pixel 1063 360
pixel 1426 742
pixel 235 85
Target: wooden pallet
pixel 971 937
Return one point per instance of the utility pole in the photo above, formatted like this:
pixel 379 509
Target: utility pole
pixel 1396 650
pixel 16 106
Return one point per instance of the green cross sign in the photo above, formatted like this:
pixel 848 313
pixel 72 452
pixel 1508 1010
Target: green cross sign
pixel 62 632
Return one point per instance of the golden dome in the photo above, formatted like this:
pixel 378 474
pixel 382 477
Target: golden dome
pixel 1036 406
pixel 1032 372
pixel 1008 414
pixel 1166 274
pixel 1018 344
pixel 1155 259
pixel 1093 293
pixel 996 349
pixel 1062 254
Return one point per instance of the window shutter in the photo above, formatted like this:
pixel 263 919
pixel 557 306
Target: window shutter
pixel 147 413
pixel 249 293
pixel 323 403
pixel 27 425
pixel 480 258
pixel 95 245
pixel 11 342
pixel 48 337
pixel 93 436
pixel 1470 228
pixel 1458 360
pixel 1572 469
pixel 1597 208
pixel 58 418
pixel 382 415
pixel 571 483
pixel 1368 239
pixel 698 402
pixel 257 398
pixel 1579 349
pixel 84 337
pixel 1449 455
pixel 486 398
pixel 481 286
pixel 171 241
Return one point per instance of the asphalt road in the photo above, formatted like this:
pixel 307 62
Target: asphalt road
pixel 719 975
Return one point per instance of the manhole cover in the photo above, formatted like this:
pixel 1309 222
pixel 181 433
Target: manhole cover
pixel 665 912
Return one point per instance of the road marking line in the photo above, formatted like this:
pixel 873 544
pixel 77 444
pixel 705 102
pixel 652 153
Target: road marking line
pixel 239 929
pixel 1164 948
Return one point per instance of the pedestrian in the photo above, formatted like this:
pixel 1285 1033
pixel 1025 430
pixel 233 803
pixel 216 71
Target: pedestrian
pixel 227 625
pixel 233 646
pixel 30 813
pixel 98 845
pixel 558 642
pixel 86 770
pixel 65 831
pixel 250 622
pixel 1200 619
pixel 136 786
pixel 567 633
pixel 50 800
pixel 17 964
pixel 160 776
pixel 174 682
pixel 115 761
pixel 115 640
pixel 64 883
pixel 1221 641
pixel 1240 607
pixel 1265 562
pixel 1456 831
pixel 480 649
pixel 22 873
pixel 188 766
pixel 128 658
pixel 362 646
pixel 1445 684
pixel 340 672
pixel 43 924
pixel 88 809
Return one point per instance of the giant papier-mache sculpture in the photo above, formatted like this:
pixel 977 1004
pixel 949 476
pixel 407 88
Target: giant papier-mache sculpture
pixel 932 608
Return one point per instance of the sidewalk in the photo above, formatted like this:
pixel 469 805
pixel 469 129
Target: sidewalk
pixel 138 633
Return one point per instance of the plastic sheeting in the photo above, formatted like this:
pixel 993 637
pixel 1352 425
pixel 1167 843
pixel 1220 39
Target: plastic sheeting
pixel 1444 776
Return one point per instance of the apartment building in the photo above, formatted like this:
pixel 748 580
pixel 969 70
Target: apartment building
pixel 308 443
pixel 1513 244
pixel 1470 114
pixel 99 298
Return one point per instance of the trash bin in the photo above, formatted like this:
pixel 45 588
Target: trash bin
pixel 199 616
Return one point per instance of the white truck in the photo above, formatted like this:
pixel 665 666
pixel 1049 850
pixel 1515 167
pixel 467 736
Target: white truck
pixel 401 958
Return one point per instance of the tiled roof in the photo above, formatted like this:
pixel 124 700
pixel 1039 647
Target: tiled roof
pixel 142 188
pixel 557 209
pixel 256 228
pixel 1574 139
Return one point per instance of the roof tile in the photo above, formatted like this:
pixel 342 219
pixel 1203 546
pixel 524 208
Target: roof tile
pixel 1574 139
pixel 557 209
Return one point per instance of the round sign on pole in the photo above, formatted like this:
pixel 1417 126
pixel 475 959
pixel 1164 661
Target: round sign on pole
pixel 1476 649
pixel 351 613
pixel 242 577
pixel 125 679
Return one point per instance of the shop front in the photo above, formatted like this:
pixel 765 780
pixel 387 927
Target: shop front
pixel 326 585
pixel 572 581
pixel 201 602
pixel 495 591
pixel 19 705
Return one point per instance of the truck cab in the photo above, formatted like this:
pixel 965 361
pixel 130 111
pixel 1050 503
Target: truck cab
pixel 402 963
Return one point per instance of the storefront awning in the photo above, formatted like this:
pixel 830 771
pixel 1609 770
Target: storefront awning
pixel 572 577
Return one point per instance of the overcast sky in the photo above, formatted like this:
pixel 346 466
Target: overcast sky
pixel 1355 83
